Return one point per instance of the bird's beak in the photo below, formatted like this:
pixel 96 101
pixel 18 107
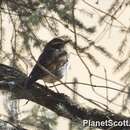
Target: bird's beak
pixel 66 41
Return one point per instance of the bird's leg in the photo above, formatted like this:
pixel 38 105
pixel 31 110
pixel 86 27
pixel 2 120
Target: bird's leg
pixel 45 84
pixel 26 103
pixel 56 88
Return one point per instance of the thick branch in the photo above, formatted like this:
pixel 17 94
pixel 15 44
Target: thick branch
pixel 12 80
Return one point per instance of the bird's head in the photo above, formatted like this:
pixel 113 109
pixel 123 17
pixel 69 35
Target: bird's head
pixel 57 43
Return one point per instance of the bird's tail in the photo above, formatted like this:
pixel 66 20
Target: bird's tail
pixel 29 82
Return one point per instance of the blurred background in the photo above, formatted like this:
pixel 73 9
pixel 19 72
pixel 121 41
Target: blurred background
pixel 98 55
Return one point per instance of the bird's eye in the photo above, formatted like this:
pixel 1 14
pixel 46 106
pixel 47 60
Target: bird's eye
pixel 58 46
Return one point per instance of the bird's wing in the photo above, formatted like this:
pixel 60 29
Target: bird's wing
pixel 47 57
pixel 44 59
pixel 51 56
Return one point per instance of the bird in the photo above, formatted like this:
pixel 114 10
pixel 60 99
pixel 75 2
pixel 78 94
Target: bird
pixel 54 59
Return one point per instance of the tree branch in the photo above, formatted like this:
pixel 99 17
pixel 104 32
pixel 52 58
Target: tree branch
pixel 12 80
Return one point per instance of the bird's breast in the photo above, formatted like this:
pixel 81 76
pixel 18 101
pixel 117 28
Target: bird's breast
pixel 58 72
